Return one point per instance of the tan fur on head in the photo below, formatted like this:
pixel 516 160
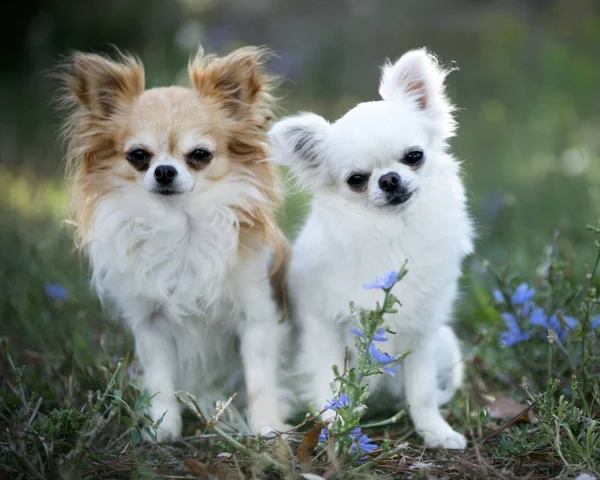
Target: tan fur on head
pixel 230 103
pixel 240 86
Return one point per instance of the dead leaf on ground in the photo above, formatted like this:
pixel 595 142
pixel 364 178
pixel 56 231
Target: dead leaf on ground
pixel 500 406
pixel 309 442
pixel 541 457
pixel 202 470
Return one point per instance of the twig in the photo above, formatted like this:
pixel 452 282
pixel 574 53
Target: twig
pixel 380 458
pixel 258 456
pixel 35 411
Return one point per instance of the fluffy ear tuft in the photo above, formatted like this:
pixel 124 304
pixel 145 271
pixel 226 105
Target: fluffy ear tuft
pixel 237 80
pixel 417 75
pixel 101 85
pixel 299 143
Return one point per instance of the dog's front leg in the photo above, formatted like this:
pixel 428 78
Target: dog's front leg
pixel 261 338
pixel 421 390
pixel 155 347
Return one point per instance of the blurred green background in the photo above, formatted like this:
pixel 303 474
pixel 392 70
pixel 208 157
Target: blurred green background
pixel 527 88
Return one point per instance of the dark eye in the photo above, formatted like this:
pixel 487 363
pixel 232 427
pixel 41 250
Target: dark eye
pixel 357 181
pixel 414 157
pixel 200 155
pixel 139 158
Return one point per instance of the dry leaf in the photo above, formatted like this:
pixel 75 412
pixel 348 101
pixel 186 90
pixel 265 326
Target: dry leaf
pixel 546 457
pixel 500 406
pixel 309 442
pixel 202 470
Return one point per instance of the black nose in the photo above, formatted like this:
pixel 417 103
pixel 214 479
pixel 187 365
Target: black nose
pixel 164 174
pixel 390 182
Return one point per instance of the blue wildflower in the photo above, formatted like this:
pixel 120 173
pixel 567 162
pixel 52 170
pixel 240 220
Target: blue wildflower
pixel 379 356
pixel 595 322
pixel 56 292
pixel 391 370
pixel 522 294
pixel 384 282
pixel 337 402
pixel 538 317
pixel 513 334
pixel 355 433
pixel 379 336
pixel 497 294
pixel 323 435
pixel 527 309
pixel 357 332
pixel 362 444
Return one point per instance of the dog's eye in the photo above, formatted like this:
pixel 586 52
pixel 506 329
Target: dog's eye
pixel 357 181
pixel 139 158
pixel 200 155
pixel 414 157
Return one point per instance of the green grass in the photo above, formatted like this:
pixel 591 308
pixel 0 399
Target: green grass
pixel 71 407
pixel 70 404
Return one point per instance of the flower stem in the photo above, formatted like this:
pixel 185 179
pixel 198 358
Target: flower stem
pixel 393 419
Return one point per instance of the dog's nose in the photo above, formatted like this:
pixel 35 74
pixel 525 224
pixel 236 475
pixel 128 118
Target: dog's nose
pixel 390 182
pixel 164 174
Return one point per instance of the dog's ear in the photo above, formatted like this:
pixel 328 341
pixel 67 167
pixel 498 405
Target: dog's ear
pixel 418 76
pixel 236 80
pixel 101 86
pixel 299 143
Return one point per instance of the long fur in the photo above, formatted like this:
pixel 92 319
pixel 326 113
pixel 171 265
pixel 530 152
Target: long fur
pixel 353 236
pixel 193 274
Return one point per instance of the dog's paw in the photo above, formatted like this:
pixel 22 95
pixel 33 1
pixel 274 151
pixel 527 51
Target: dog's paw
pixel 272 432
pixel 449 440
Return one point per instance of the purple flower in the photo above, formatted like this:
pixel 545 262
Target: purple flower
pixel 513 334
pixel 391 370
pixel 357 332
pixel 323 435
pixel 552 322
pixel 362 444
pixel 595 322
pixel 56 292
pixel 527 309
pixel 355 433
pixel 384 282
pixel 497 294
pixel 379 356
pixel 337 402
pixel 522 294
pixel 380 335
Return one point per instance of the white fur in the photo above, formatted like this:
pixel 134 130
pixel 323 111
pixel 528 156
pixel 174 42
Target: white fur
pixel 203 317
pixel 352 238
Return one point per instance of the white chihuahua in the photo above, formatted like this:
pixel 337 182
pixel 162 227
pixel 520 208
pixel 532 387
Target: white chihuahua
pixel 385 190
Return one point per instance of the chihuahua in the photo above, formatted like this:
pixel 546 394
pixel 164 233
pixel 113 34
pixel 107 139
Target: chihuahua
pixel 385 190
pixel 174 202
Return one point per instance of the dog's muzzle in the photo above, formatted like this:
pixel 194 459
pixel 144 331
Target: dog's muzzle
pixel 395 191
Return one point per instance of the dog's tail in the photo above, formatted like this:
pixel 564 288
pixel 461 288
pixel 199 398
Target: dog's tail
pixel 279 276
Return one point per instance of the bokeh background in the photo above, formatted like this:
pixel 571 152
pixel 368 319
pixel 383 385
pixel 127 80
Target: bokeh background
pixel 527 88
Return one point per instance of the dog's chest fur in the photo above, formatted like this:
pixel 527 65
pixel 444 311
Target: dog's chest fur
pixel 346 250
pixel 175 259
